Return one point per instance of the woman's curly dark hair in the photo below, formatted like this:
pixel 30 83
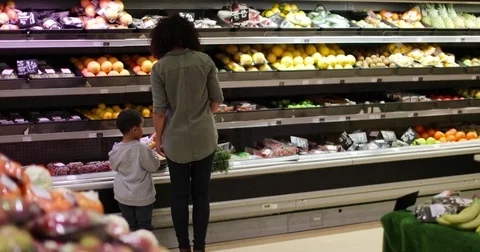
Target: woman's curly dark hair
pixel 172 32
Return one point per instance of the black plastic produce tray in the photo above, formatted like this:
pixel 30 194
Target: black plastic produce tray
pixel 13 84
pixel 54 127
pixel 414 70
pixel 449 70
pixel 386 71
pixel 14 129
pixel 343 109
pixel 452 104
pixel 337 73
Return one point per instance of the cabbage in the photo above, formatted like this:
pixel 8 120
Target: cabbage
pixel 39 176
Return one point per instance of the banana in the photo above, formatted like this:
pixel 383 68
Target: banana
pixel 466 215
pixel 471 225
pixel 442 221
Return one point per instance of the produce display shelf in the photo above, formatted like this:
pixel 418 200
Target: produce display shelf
pixel 250 124
pixel 304 163
pixel 238 80
pixel 239 39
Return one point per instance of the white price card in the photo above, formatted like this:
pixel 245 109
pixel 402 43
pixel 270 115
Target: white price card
pixel 236 163
pixel 144 88
pixel 319 82
pixel 26 139
pixel 71 177
pixel 7 71
pixel 92 135
pixel 50 71
pixel 305 82
pixel 104 91
pixel 66 71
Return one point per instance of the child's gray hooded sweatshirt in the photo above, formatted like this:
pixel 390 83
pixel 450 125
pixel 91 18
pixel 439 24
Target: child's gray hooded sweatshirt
pixel 134 163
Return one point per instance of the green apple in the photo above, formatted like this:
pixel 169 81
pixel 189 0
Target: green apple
pixel 431 140
pixel 421 141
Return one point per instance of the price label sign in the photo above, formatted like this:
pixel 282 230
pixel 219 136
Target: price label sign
pixel 359 138
pixel 240 16
pixel 26 67
pixel 189 16
pixel 409 136
pixel 345 141
pixel 389 136
pixel 299 142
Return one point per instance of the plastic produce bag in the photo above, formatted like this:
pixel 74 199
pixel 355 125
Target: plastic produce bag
pixel 18 211
pixel 63 224
pixel 39 176
pixel 116 226
pixel 15 239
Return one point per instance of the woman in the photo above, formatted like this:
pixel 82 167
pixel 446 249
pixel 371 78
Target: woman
pixel 186 93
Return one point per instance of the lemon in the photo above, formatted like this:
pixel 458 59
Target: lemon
pixel 296 53
pixel 267 46
pixel 340 51
pixel 310 50
pixel 300 67
pixel 283 46
pixel 236 57
pixel 244 48
pixel 338 66
pixel 116 108
pixel 316 57
pixel 231 49
pixel 348 66
pixel 308 61
pixel 287 61
pixel 298 60
pixel 304 55
pixel 272 58
pixel 287 54
pixel 275 10
pixel 109 110
pixel 323 63
pixel 258 47
pixel 293 7
pixel 290 48
pixel 332 59
pixel 287 8
pixel 269 13
pixel 102 106
pixel 301 13
pixel 277 50
pixel 282 15
pixel 310 67
pixel 324 51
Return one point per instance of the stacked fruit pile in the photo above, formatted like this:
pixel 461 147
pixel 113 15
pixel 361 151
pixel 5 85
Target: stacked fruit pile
pixel 8 16
pixel 445 16
pixel 141 65
pixel 103 14
pixel 469 93
pixel 244 58
pixel 471 62
pixel 421 55
pixel 33 217
pixel 409 19
pixel 102 66
pixel 102 112
pixel 468 219
pixel 432 136
pixel 308 57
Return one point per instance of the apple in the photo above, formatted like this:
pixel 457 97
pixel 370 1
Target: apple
pixel 421 141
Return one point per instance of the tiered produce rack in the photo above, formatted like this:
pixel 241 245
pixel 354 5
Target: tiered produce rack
pixel 265 196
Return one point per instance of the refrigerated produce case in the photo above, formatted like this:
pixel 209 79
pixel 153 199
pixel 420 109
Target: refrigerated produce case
pixel 262 196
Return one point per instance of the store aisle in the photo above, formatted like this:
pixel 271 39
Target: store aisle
pixel 360 238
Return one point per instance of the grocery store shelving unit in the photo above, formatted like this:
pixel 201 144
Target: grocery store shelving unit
pixel 278 195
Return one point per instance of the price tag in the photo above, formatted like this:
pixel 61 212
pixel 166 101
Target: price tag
pixel 71 177
pixel 305 82
pixel 419 39
pixel 236 163
pixel 389 136
pixel 359 138
pixel 413 115
pixel 409 136
pixel 144 88
pixel 7 72
pixel 66 71
pixel 240 16
pixel 319 82
pixel 318 120
pixel 104 91
pixel 474 77
pixel 92 135
pixel 299 142
pixel 345 141
pixel 189 16
pixel 49 71
pixel 26 67
pixel 26 139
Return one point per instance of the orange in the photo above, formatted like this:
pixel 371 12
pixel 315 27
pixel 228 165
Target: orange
pixel 438 135
pixel 431 132
pixel 459 135
pixel 442 140
pixel 453 130
pixel 461 140
pixel 419 129
pixel 450 138
pixel 470 136
pixel 425 135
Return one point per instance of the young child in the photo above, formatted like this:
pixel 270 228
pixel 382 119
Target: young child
pixel 134 162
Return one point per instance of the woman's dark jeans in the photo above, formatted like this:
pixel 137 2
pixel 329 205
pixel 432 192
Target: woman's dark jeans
pixel 191 179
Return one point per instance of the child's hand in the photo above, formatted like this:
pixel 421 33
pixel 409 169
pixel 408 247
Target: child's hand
pixel 159 148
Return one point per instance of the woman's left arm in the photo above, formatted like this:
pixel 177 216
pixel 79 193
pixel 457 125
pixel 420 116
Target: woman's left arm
pixel 215 93
pixel 160 104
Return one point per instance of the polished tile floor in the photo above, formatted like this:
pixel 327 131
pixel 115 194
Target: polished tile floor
pixel 359 238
